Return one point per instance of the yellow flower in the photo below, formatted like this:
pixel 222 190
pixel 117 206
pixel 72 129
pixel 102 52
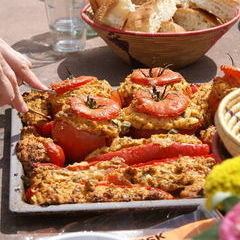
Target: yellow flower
pixel 225 178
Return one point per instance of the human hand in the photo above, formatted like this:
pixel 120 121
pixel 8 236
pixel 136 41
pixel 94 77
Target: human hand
pixel 14 70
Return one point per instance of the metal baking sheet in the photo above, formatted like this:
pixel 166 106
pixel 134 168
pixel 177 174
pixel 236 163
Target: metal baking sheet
pixel 17 205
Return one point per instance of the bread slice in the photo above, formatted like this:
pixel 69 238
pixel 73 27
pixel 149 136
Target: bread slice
pixel 223 9
pixel 114 13
pixel 148 17
pixel 94 5
pixel 170 26
pixel 182 3
pixel 194 19
pixel 139 2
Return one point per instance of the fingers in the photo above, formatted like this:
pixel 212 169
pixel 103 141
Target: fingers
pixel 6 93
pixel 21 67
pixel 9 81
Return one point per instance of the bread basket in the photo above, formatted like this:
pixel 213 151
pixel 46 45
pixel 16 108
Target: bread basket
pixel 227 120
pixel 158 49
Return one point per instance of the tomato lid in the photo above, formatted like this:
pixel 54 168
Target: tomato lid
pixel 95 108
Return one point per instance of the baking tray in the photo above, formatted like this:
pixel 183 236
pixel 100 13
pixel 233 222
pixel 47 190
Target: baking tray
pixel 17 205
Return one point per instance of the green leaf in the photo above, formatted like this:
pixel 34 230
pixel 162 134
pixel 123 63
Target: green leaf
pixel 211 233
pixel 224 200
pixel 230 202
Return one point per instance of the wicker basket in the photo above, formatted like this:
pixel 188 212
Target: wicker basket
pixel 227 120
pixel 158 49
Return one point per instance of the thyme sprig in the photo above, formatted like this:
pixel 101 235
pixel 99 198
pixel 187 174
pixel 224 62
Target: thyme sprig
pixel 151 72
pixel 70 75
pixel 91 103
pixel 157 95
pixel 144 74
pixel 160 73
pixel 233 63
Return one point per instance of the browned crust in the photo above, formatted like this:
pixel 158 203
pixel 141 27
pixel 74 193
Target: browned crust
pixel 184 177
pixel 103 9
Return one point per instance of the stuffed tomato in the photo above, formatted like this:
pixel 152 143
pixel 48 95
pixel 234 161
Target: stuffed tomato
pixel 83 85
pixel 159 110
pixel 85 125
pixel 142 79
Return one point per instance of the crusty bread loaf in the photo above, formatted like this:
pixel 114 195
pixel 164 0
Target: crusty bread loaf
pixel 148 17
pixel 182 3
pixel 95 4
pixel 114 13
pixel 170 26
pixel 194 19
pixel 223 9
pixel 139 2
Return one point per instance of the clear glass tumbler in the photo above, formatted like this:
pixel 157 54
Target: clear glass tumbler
pixel 65 22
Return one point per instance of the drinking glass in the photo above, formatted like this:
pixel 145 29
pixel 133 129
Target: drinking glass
pixel 68 28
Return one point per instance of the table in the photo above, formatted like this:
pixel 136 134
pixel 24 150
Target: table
pixel 23 25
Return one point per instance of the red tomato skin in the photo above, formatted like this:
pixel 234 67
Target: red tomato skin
pixel 173 104
pixel 55 153
pixel 168 77
pixel 151 151
pixel 77 144
pixel 45 130
pixel 116 97
pixel 108 109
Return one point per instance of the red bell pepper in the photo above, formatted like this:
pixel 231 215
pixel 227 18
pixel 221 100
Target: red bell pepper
pixel 152 151
pixel 70 84
pixel 29 192
pixel 231 75
pixel 55 153
pixel 194 87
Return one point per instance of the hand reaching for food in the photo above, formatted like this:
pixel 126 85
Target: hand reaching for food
pixel 14 70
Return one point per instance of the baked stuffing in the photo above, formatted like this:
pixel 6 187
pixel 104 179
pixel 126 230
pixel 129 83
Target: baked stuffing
pixel 31 148
pixel 183 177
pixel 79 183
pixel 72 192
pixel 206 135
pixel 89 181
pixel 78 172
pixel 37 101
